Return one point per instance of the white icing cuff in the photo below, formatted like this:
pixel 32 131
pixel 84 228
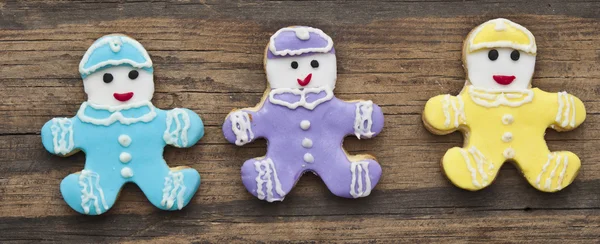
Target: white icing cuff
pixel 62 135
pixel 480 168
pixel 173 190
pixel 90 181
pixel 267 175
pixel 363 120
pixel 458 109
pixel 357 188
pixel 565 116
pixel 181 120
pixel 241 127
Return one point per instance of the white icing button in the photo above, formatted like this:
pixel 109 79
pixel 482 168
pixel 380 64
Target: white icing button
pixel 126 172
pixel 124 140
pixel 509 153
pixel 507 137
pixel 305 124
pixel 125 157
pixel 307 143
pixel 507 119
pixel 308 158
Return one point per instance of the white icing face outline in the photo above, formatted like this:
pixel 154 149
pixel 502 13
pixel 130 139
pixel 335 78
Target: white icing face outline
pixel 298 72
pixel 487 70
pixel 121 89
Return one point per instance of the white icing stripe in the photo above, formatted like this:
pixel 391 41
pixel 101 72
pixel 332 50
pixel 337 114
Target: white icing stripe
pixel 539 178
pixel 241 127
pixel 357 189
pixel 267 175
pixel 174 187
pixel 446 110
pixel 471 169
pixel 302 93
pixel 552 173
pixel 562 173
pixel 116 113
pixel 490 98
pixel 62 135
pixel 364 119
pixel 180 133
pixel 88 180
pixel 480 161
pixel 567 110
pixel 560 107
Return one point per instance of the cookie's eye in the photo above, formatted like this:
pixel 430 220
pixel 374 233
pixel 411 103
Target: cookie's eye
pixel 515 55
pixel 314 64
pixel 493 55
pixel 294 65
pixel 107 78
pixel 133 74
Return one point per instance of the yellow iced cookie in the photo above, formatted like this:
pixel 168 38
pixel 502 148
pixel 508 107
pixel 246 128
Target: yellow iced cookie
pixel 502 117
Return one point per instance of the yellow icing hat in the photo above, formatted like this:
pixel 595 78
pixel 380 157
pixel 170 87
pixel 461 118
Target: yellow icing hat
pixel 501 33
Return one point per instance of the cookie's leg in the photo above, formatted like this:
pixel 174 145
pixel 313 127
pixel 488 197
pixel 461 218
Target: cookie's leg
pixel 268 179
pixel 350 178
pixel 170 188
pixel 88 193
pixel 469 168
pixel 550 172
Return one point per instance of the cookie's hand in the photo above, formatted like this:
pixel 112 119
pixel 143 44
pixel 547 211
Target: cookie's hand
pixel 238 128
pixel 58 136
pixel 571 112
pixel 444 114
pixel 183 128
pixel 368 121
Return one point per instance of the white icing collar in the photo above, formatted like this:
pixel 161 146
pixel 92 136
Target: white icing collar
pixel 298 97
pixel 126 114
pixel 499 97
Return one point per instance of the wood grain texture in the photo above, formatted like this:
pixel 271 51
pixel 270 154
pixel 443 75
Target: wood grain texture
pixel 208 57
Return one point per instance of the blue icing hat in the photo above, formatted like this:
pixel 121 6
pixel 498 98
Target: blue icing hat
pixel 114 50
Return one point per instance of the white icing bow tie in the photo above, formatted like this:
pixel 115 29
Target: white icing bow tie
pixel 293 98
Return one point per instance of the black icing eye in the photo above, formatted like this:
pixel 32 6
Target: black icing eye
pixel 515 55
pixel 314 64
pixel 133 74
pixel 107 78
pixel 493 55
pixel 294 65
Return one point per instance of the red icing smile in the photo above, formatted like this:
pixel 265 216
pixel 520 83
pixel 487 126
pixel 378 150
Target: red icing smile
pixel 504 79
pixel 123 97
pixel 306 80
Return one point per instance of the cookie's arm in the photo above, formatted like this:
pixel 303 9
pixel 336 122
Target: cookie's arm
pixel 183 127
pixel 443 114
pixel 368 119
pixel 58 136
pixel 570 112
pixel 240 127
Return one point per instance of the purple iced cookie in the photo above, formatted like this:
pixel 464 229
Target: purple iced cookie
pixel 304 122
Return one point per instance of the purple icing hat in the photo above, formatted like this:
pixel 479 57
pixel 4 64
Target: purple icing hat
pixel 298 41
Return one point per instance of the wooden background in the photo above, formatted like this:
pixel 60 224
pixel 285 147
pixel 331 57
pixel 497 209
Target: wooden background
pixel 208 57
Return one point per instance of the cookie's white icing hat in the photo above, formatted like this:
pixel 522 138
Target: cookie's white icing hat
pixel 114 50
pixel 498 33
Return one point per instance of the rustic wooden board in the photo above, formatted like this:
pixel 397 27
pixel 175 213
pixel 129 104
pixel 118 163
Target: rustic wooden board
pixel 208 57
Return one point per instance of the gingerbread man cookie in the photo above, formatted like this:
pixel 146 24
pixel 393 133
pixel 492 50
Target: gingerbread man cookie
pixel 501 116
pixel 122 133
pixel 304 123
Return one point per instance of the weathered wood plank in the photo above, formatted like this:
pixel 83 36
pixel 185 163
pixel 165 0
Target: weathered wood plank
pixel 208 57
